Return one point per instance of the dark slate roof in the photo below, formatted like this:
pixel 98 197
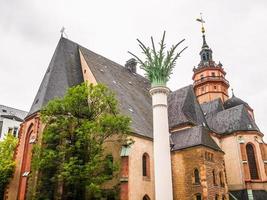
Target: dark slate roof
pixel 64 71
pixel 243 195
pixel 183 107
pixel 191 137
pixel 131 89
pixel 234 101
pixel 212 107
pixel 231 120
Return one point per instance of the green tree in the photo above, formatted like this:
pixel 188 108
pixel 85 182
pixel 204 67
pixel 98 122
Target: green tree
pixel 158 65
pixel 71 161
pixel 7 163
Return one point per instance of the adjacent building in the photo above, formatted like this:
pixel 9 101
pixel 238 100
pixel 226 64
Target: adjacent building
pixel 10 120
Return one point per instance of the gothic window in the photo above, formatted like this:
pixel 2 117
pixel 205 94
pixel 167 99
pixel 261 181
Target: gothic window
pixel 145 164
pixel 198 196
pixel 196 176
pixel 146 197
pixel 214 177
pixel 252 162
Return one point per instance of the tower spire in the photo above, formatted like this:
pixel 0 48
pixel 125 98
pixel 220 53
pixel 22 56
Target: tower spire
pixel 205 45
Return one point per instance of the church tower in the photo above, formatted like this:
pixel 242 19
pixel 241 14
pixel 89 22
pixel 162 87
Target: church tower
pixel 209 77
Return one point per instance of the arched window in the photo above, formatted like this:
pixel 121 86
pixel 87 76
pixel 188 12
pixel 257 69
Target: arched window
pixel 221 179
pixel 109 165
pixel 214 177
pixel 146 197
pixel 216 197
pixel 252 162
pixel 196 176
pixel 145 165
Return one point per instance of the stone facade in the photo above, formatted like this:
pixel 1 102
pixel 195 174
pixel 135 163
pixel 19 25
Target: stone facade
pixel 206 161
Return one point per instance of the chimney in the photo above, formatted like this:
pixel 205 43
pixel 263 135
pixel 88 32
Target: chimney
pixel 131 65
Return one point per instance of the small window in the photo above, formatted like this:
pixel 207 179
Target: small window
pixel 212 73
pixel 214 177
pixel 10 130
pixel 221 179
pixel 146 197
pixel 202 76
pixel 4 110
pixel 15 131
pixel 216 197
pixel 196 176
pixel 202 89
pixel 145 165
pixel 109 165
pixel 215 87
pixel 198 196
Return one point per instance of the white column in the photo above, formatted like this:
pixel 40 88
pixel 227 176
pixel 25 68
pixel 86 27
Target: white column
pixel 161 144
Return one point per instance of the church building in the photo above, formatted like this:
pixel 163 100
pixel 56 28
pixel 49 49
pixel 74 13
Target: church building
pixel 217 149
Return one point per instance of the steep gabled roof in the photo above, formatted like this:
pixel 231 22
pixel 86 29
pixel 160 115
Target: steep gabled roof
pixel 233 119
pixel 195 136
pixel 64 71
pixel 131 89
pixel 183 107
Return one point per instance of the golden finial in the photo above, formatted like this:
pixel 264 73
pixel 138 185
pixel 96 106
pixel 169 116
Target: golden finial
pixel 202 23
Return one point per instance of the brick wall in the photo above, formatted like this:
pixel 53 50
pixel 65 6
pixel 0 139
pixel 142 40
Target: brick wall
pixel 184 162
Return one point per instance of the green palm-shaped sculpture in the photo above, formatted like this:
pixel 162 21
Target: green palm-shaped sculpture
pixel 158 65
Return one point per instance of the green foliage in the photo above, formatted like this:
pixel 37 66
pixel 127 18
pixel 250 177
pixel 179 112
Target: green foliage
pixel 7 163
pixel 71 161
pixel 158 65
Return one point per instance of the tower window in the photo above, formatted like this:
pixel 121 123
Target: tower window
pixel 216 197
pixel 196 176
pixel 252 162
pixel 215 87
pixel 202 76
pixel 212 73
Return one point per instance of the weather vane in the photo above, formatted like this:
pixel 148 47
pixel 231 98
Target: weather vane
pixel 202 23
pixel 62 31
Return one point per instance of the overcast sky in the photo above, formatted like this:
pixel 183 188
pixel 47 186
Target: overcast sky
pixel 235 30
